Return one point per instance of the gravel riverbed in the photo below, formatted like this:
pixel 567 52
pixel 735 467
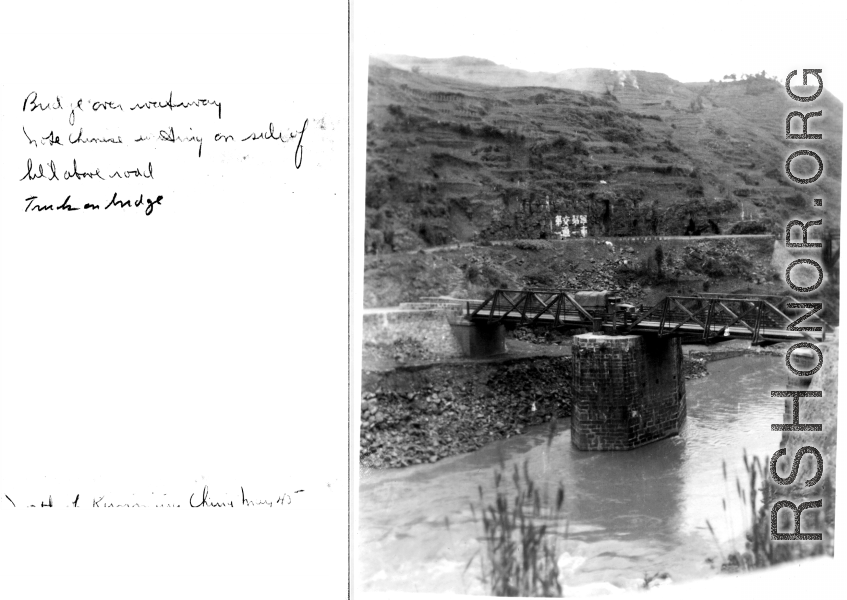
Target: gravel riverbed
pixel 423 413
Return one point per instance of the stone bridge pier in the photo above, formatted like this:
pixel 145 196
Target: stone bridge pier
pixel 628 390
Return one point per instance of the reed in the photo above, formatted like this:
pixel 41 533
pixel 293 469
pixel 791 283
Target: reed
pixel 520 538
pixel 757 500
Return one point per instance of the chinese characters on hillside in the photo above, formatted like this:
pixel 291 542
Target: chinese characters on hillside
pixel 572 226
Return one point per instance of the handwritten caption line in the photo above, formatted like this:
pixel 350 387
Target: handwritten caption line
pixel 202 500
pixel 47 170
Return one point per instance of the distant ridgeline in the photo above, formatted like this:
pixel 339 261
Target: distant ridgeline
pixel 453 158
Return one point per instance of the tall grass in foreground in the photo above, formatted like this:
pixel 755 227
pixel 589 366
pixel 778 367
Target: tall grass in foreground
pixel 520 554
pixel 760 551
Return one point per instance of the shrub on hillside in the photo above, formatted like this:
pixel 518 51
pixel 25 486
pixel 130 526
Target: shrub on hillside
pixel 713 268
pixel 462 129
pixel 778 176
pixel 642 116
pixel 669 145
pixel 541 276
pixel 494 278
pixel 485 276
pixel 750 228
pixel 534 245
pixel 617 134
pixel 432 234
pixel 489 131
pixel 694 190
pixel 569 147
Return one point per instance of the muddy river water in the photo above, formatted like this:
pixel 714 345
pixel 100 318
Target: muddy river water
pixel 629 513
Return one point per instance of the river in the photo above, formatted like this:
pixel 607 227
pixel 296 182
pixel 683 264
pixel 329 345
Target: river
pixel 629 513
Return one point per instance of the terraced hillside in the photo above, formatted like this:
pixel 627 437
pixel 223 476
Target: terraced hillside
pixel 638 153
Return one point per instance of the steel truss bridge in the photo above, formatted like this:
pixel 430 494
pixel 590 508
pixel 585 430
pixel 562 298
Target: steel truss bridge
pixel 709 317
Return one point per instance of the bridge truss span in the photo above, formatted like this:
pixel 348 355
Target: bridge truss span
pixel 711 317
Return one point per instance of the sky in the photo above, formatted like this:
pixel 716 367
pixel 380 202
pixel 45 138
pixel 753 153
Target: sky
pixel 686 41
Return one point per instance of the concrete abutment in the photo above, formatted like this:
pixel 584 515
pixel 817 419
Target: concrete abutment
pixel 479 340
pixel 439 327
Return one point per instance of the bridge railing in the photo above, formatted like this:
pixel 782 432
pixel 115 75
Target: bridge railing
pixel 529 306
pixel 712 317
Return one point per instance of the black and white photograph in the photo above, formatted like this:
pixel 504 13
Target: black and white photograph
pixel 599 297
pixel 589 256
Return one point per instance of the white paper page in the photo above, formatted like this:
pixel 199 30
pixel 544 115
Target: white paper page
pixel 185 342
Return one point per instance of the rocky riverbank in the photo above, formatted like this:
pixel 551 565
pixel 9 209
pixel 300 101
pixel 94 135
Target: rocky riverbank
pixel 423 413
pixel 412 415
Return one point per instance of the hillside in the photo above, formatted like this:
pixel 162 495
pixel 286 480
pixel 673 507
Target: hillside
pixel 690 265
pixel 458 158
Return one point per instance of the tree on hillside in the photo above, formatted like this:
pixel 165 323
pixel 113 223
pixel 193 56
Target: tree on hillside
pixel 696 105
pixel 659 255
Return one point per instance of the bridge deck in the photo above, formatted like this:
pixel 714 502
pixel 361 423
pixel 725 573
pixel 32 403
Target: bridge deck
pixel 710 316
pixel 769 333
